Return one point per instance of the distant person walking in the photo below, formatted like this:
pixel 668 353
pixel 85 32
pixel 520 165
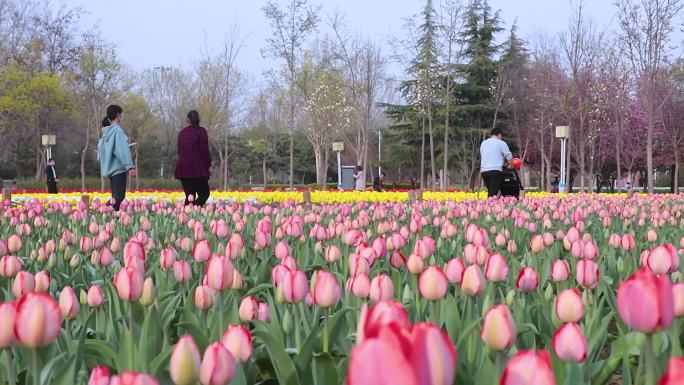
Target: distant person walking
pixel 378 182
pixel 359 179
pixel 193 167
pixel 116 161
pixel 52 179
pixel 494 153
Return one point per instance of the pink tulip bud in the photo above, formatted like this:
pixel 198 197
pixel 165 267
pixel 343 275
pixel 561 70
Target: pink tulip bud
pixel 381 288
pixel 454 270
pixel 133 378
pixel 590 250
pixel 10 266
pixel 645 301
pixel 249 309
pixel 324 289
pixel 95 298
pixel 651 236
pixel 290 262
pixel 332 253
pixel 663 259
pixel 238 340
pixel 358 264
pixel 294 286
pixel 627 242
pixel 201 251
pixel 587 273
pixel 99 376
pixel 559 271
pixel 148 293
pixel 498 329
pixel 569 343
pixel 264 313
pixel 218 365
pixel 674 373
pixel 184 366
pixel 68 303
pixel 678 298
pixel 167 258
pixel 278 273
pixel 104 258
pixel 128 282
pixel 38 320
pixel 204 297
pixel 8 313
pixel 496 268
pixel 281 250
pixel 14 243
pixel 359 285
pixel 433 283
pixel 24 283
pixel 219 272
pixel 528 367
pixel 569 306
pixel 238 282
pixel 537 244
pixel 473 283
pixel 414 264
pixel 134 250
pixel 527 279
pixel 181 271
pixel 86 244
pixel 512 248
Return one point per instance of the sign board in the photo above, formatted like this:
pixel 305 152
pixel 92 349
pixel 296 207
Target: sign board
pixel 338 146
pixel 562 132
pixel 49 140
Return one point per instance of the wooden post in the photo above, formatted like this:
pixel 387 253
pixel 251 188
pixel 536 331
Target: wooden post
pixel 85 198
pixel 412 196
pixel 7 194
pixel 307 197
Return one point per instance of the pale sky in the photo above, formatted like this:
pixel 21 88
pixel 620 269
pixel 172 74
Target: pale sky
pixel 151 33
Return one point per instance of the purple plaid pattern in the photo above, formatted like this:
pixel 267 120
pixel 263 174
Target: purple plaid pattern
pixel 194 160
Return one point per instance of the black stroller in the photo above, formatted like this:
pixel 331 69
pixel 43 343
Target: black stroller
pixel 511 186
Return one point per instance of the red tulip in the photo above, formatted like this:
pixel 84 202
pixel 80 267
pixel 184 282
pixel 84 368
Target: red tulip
pixel 498 329
pixel 559 271
pixel 10 266
pixel 587 273
pixel 678 298
pixel 569 343
pixel 184 366
pixel 433 283
pixel 325 290
pixel 23 283
pixel 496 268
pixel 68 303
pixel 529 367
pixel 294 286
pixel 238 340
pixel 128 282
pixel 473 283
pixel 674 373
pixel 8 313
pixel 181 271
pixel 219 272
pixel 381 288
pixel 569 306
pixel 38 320
pixel 99 376
pixel 645 301
pixel 95 298
pixel 380 316
pixel 204 297
pixel 218 365
pixel 663 259
pixel 527 279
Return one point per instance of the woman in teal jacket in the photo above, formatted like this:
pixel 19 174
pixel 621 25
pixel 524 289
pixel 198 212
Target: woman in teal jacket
pixel 116 161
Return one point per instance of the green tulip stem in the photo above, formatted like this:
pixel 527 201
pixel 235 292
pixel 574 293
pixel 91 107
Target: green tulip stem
pixel 130 317
pixel 326 331
pixel 35 366
pixel 10 367
pixel 676 344
pixel 434 313
pixel 297 326
pixel 219 298
pixel 649 360
pixel 498 363
pixel 67 329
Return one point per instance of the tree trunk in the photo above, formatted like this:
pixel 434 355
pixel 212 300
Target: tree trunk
pixel 292 123
pixel 422 156
pixel 649 146
pixel 445 166
pixel 84 153
pixel 263 169
pixel 617 155
pixel 432 149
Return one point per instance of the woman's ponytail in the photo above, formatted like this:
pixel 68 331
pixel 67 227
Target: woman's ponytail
pixel 106 122
pixel 194 118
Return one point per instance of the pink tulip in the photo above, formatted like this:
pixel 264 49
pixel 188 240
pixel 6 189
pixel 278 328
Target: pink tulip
pixel 359 285
pixel 290 262
pixel 218 365
pixel 569 343
pixel 627 242
pixel 651 236
pixel 95 298
pixel 99 376
pixel 332 253
pixel 473 283
pixel 204 297
pixel 3 248
pixel 537 244
pixel 381 288
pixel 454 270
pixel 678 298
pixel 184 365
pixel 379 317
pixel 238 340
pixel 148 293
pixel 663 259
pixel 14 243
pixel 134 250
pixel 577 249
pixel 559 271
pixel 10 266
pixel 249 309
pixel 433 355
pixel 181 271
pixel 105 257
pixel 529 367
pixel 167 258
pixel 128 282
pixel 38 320
pixel 264 313
pixel 294 286
pixel 201 251
pixel 587 273
pixel 8 313
pixel 68 303
pixel 261 239
pixel 498 329
pixel 527 279
pixel 496 268
pixel 433 283
pixel 645 301
pixel 219 272
pixel 397 260
pixel 23 283
pixel 86 244
pixel 277 274
pixel 324 289
pixel 569 306
pixel 674 373
pixel 282 250
pixel 133 378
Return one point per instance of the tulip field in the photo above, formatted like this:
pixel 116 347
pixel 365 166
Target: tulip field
pixel 355 289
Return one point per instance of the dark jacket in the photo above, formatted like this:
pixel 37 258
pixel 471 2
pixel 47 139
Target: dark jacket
pixel 50 172
pixel 194 160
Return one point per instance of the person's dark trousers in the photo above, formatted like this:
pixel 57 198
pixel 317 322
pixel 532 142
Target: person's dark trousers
pixel 492 180
pixel 52 187
pixel 198 188
pixel 118 186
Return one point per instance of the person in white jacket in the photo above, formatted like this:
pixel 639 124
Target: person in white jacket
pixel 359 179
pixel 494 153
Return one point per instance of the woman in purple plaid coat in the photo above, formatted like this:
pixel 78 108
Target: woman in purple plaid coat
pixel 193 167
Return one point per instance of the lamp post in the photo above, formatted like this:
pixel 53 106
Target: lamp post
pixel 338 147
pixel 379 152
pixel 562 133
pixel 48 141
